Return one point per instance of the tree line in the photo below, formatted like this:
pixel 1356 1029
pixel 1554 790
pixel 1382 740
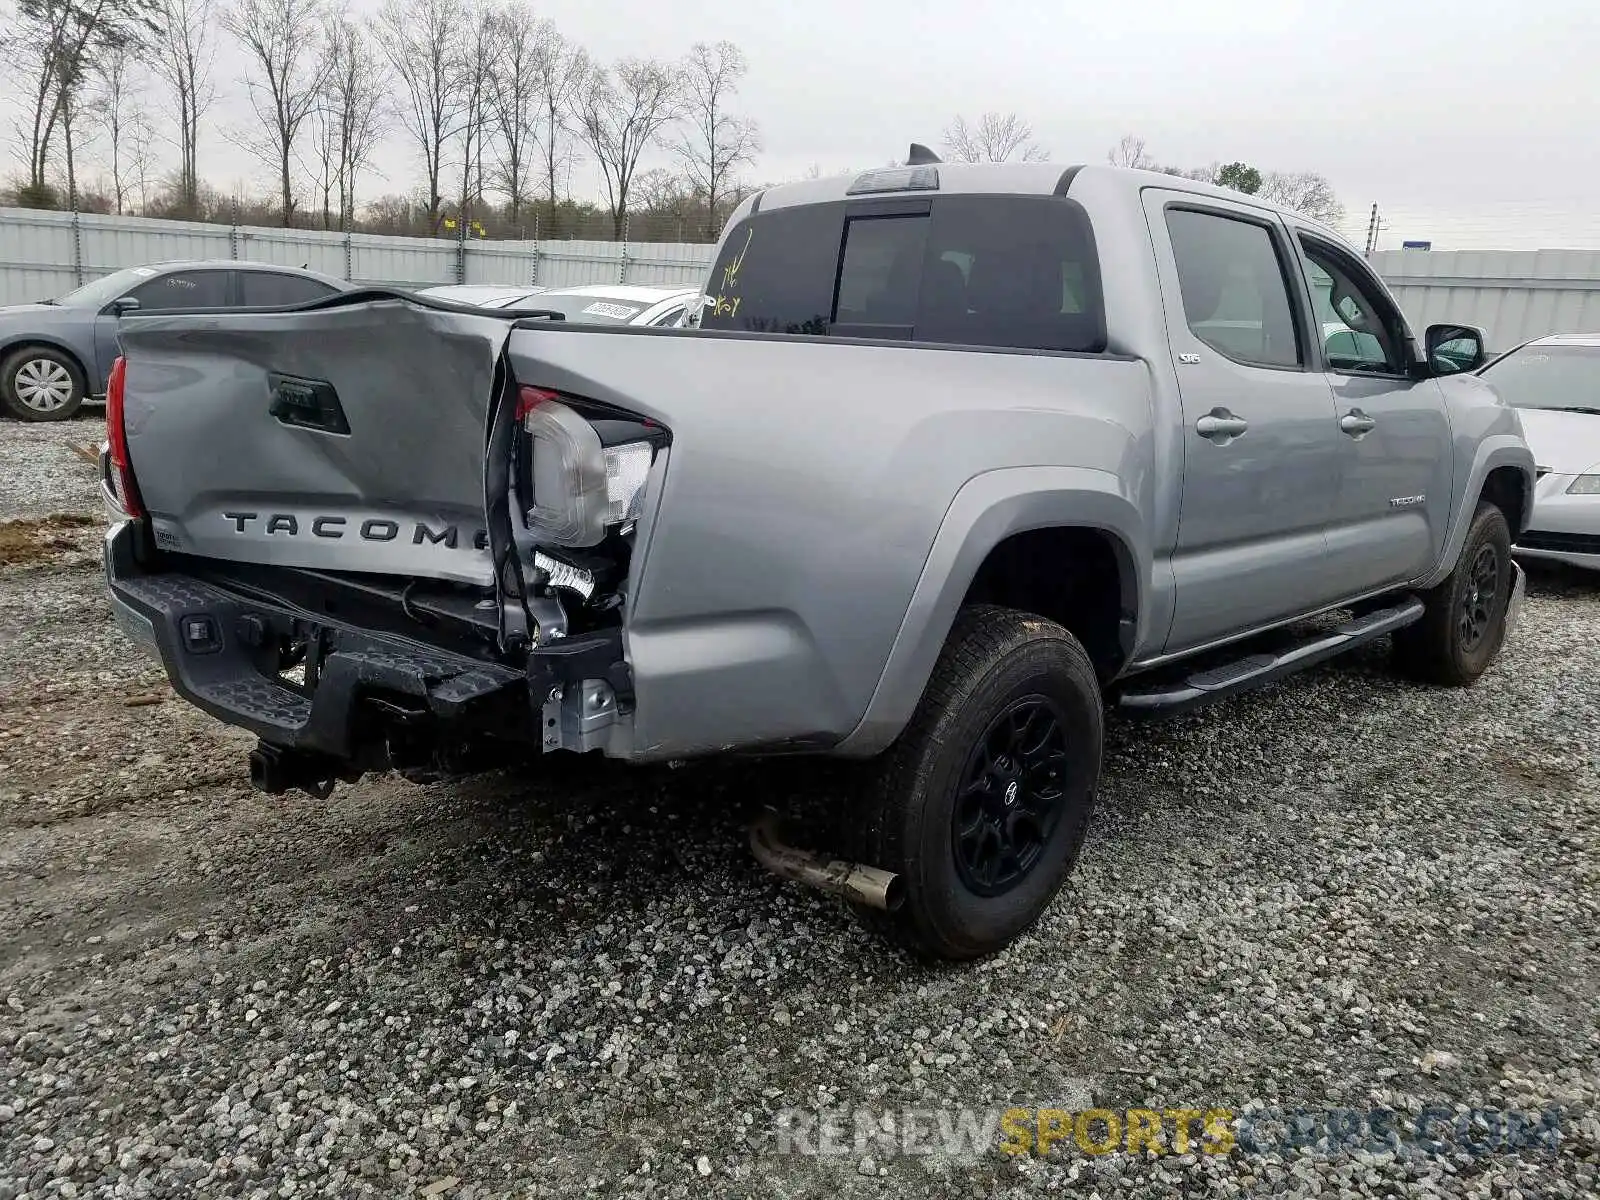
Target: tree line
pixel 495 104
pixel 1006 137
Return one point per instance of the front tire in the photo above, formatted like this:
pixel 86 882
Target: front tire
pixel 1463 626
pixel 40 384
pixel 982 803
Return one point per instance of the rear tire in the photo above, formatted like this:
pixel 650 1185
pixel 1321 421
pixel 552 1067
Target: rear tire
pixel 41 384
pixel 982 803
pixel 1464 624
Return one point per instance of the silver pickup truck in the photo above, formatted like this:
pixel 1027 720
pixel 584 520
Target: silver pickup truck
pixel 957 457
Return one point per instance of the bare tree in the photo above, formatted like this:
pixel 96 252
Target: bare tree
pixel 620 113
pixel 1303 191
pixel 997 137
pixel 658 190
pixel 421 39
pixel 478 59
pixel 516 100
pixel 718 143
pixel 181 57
pixel 52 46
pixel 324 165
pixel 141 159
pixel 356 91
pixel 563 71
pixel 120 118
pixel 283 39
pixel 71 94
pixel 1129 152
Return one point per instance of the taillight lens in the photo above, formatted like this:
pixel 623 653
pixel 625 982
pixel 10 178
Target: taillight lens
pixel 529 398
pixel 580 488
pixel 123 484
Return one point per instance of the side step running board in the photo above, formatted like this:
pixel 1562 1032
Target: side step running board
pixel 1204 687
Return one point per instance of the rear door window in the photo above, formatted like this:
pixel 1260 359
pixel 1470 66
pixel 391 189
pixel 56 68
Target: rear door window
pixel 272 289
pixel 1235 289
pixel 978 270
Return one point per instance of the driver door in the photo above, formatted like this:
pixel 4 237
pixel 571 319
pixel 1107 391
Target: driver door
pixel 1392 508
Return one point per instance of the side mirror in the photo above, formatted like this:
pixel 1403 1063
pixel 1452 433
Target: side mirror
pixel 124 304
pixel 1454 349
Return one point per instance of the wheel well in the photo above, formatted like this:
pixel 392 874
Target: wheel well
pixel 1505 489
pixel 56 347
pixel 1079 578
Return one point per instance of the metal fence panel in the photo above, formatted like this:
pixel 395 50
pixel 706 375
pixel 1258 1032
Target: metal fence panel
pixel 111 243
pixel 36 255
pixel 48 253
pixel 411 262
pixel 1514 295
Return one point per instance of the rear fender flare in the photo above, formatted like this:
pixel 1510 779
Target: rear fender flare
pixel 988 509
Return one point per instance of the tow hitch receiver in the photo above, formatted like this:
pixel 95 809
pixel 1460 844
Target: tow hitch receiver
pixel 275 770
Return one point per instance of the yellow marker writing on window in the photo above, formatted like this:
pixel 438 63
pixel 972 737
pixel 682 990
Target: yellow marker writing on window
pixel 730 273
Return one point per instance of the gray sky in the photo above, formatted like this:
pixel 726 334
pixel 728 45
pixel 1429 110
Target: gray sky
pixel 1470 121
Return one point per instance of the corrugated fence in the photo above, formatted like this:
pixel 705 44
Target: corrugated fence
pixel 1513 294
pixel 47 253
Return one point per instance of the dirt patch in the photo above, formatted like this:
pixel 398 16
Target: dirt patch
pixel 37 539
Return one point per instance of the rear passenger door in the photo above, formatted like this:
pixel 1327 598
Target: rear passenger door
pixel 1387 526
pixel 1261 445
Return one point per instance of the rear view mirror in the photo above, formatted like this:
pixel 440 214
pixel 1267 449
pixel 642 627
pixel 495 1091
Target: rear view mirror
pixel 1454 349
pixel 124 304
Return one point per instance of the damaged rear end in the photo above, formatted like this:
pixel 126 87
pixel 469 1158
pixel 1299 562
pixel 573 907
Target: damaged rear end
pixel 348 529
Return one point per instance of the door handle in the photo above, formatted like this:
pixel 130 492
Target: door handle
pixel 1221 426
pixel 1356 423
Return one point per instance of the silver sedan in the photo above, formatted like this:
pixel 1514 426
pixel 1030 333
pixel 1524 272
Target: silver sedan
pixel 1554 384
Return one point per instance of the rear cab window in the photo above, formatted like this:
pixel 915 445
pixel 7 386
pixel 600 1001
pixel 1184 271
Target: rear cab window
pixel 1001 270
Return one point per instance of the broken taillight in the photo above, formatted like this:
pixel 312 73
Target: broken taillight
pixel 529 398
pixel 123 486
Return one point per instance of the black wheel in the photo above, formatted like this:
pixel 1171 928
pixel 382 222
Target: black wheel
pixel 982 803
pixel 40 384
pixel 1464 624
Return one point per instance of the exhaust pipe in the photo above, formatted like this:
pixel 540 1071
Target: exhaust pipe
pixel 883 890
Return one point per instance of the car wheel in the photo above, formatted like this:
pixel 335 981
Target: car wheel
pixel 982 803
pixel 1463 625
pixel 39 384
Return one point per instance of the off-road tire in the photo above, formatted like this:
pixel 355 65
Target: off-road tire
pixel 994 660
pixel 62 370
pixel 1440 648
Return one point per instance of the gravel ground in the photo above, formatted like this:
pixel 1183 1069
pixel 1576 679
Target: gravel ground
pixel 1344 891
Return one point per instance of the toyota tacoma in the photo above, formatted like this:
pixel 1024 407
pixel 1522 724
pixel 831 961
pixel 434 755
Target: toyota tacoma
pixel 956 458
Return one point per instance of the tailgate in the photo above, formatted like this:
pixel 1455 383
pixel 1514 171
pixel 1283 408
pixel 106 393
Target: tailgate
pixel 349 435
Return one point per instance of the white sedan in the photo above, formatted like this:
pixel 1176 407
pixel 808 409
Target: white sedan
pixel 1554 384
pixel 599 303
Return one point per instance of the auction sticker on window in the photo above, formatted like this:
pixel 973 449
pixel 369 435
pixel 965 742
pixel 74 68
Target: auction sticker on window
pixel 604 308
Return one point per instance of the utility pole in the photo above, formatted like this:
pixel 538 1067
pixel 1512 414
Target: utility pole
pixel 1372 230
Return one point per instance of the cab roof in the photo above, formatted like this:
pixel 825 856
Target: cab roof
pixel 1020 179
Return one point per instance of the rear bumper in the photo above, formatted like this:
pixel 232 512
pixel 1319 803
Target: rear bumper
pixel 219 649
